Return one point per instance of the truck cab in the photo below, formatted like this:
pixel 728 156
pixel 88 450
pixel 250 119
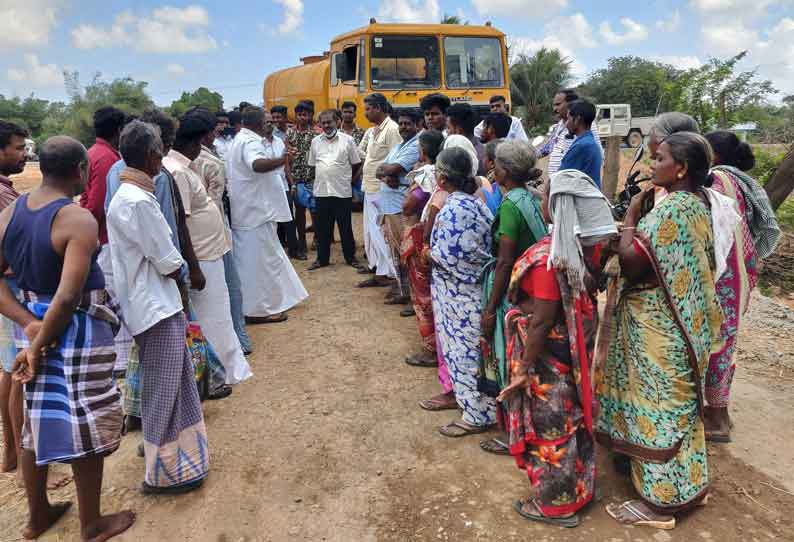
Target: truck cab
pixel 405 62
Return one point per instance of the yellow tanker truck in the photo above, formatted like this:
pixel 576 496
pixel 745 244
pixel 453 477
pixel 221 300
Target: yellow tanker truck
pixel 402 61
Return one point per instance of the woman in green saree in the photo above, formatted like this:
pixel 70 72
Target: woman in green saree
pixel 664 329
pixel 517 226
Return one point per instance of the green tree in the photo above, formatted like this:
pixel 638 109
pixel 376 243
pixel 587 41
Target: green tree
pixel 534 80
pixel 632 80
pixel 716 93
pixel 202 97
pixel 453 19
pixel 124 93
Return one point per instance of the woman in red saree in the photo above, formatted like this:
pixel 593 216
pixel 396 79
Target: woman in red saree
pixel 548 404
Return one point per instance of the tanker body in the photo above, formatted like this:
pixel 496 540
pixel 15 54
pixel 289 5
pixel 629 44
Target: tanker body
pixel 404 62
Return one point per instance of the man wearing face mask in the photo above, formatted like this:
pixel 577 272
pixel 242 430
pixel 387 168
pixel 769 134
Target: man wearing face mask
pixel 336 160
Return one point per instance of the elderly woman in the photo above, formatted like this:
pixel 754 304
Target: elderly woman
pixel 551 335
pixel 753 238
pixel 518 225
pixel 665 327
pixel 460 245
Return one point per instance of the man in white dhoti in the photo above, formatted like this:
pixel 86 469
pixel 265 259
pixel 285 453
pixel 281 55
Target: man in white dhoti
pixel 210 243
pixel 377 144
pixel 255 166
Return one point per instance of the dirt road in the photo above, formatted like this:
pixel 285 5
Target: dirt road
pixel 326 443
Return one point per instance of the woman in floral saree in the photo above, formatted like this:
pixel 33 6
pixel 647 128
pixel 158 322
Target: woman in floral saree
pixel 754 239
pixel 665 327
pixel 548 403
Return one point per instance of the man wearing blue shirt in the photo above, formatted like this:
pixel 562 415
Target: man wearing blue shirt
pixel 393 189
pixel 584 154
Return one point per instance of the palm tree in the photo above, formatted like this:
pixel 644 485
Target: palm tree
pixel 452 19
pixel 534 80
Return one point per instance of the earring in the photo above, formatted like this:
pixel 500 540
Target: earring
pixel 680 175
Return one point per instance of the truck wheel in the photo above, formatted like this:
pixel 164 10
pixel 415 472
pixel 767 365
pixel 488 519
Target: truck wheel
pixel 635 139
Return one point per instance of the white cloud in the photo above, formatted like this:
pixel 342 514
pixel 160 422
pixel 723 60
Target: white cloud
pixel 293 16
pixel 166 30
pixel 736 7
pixel 526 46
pixel 575 30
pixel 634 32
pixel 680 62
pixel 26 23
pixel 410 11
pixel 518 8
pixel 36 75
pixel 175 69
pixel 670 25
pixel 775 55
pixel 728 39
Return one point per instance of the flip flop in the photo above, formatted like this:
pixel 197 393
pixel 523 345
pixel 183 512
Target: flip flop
pixel 641 519
pixel 405 313
pixel 372 283
pixel 459 429
pixel 569 522
pixel 397 300
pixel 436 405
pixel 171 490
pixel 273 319
pixel 722 437
pixel 494 446
pixel 417 361
pixel 221 393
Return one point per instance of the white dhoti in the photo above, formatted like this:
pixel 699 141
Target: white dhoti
pixel 212 309
pixel 269 283
pixel 375 247
pixel 123 340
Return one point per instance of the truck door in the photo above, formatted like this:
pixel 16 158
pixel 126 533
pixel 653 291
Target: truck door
pixel 346 69
pixel 621 120
pixel 604 121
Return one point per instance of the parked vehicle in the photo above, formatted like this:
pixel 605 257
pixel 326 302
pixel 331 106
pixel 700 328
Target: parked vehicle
pixel 404 62
pixel 30 150
pixel 616 120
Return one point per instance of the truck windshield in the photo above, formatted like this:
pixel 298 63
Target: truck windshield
pixel 473 62
pixel 405 62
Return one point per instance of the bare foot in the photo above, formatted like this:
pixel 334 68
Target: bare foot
pixel 57 480
pixel 9 461
pixel 109 526
pixel 717 424
pixel 36 527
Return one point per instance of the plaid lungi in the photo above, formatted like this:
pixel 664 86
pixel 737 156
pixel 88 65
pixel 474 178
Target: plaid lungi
pixel 174 436
pixel 72 405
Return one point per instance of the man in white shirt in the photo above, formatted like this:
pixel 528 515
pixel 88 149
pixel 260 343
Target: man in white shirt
pixel 498 104
pixel 376 146
pixel 212 171
pixel 560 140
pixel 146 265
pixel 210 243
pixel 255 169
pixel 336 160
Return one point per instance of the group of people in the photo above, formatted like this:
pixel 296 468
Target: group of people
pixel 184 234
pixel 503 263
pixel 127 310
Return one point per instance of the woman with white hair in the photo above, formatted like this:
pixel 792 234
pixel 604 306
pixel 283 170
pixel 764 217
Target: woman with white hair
pixel 548 398
pixel 460 246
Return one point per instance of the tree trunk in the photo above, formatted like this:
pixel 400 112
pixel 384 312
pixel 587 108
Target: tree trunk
pixel 609 185
pixel 781 183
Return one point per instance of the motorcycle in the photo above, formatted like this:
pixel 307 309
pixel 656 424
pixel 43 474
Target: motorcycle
pixel 631 188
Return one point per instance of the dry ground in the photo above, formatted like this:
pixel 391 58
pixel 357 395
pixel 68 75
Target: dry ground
pixel 326 442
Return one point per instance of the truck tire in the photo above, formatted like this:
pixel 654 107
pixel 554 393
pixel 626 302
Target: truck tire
pixel 634 139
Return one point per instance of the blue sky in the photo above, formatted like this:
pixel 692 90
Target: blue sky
pixel 230 46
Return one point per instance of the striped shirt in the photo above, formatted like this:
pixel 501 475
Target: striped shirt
pixel 562 144
pixel 7 192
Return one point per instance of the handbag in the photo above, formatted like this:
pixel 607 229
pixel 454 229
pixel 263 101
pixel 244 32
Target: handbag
pixel 304 197
pixel 200 353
